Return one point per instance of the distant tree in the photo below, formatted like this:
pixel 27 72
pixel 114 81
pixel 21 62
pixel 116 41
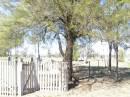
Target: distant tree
pixel 115 15
pixel 11 25
pixel 76 53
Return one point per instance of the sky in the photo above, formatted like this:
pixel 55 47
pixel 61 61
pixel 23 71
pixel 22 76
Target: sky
pixel 33 49
pixel 102 2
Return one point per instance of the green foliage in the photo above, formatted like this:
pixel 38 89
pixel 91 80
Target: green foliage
pixel 74 15
pixel 121 55
pixel 11 27
pixel 34 38
pixel 129 64
pixel 76 53
pixel 3 52
pixel 114 16
pixel 10 40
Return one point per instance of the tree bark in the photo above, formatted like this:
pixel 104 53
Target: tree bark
pixel 116 51
pixel 68 57
pixel 38 47
pixel 117 63
pixel 60 45
pixel 110 55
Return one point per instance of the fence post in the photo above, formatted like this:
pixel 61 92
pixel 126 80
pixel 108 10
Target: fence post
pixel 89 68
pixel 19 78
pixel 98 66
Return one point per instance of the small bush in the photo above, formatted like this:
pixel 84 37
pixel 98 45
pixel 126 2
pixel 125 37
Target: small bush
pixel 121 55
pixel 128 64
pixel 76 53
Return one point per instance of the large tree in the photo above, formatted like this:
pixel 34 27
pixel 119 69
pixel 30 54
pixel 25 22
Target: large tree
pixel 75 16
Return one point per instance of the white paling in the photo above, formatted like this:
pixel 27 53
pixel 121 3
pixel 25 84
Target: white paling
pixel 16 79
pixel 53 76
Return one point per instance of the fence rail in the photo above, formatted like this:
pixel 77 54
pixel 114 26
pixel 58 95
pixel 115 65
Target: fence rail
pixel 21 77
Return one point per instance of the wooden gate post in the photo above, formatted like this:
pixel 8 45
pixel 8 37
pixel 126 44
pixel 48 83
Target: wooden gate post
pixel 19 78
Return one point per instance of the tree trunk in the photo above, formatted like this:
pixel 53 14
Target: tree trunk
pixel 117 63
pixel 110 55
pixel 68 57
pixel 116 51
pixel 38 48
pixel 60 45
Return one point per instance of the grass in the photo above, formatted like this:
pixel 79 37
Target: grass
pixel 129 64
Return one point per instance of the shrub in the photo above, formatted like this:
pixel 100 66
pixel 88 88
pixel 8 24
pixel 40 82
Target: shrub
pixel 76 53
pixel 121 55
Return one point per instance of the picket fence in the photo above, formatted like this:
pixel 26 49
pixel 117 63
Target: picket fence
pixel 53 77
pixel 19 77
pixel 8 76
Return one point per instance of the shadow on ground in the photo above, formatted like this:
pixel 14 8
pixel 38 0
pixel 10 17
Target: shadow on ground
pixel 82 72
pixel 98 74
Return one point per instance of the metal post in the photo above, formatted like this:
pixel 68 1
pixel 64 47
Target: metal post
pixel 16 65
pixel 117 74
pixel 105 62
pixel 89 69
pixel 98 66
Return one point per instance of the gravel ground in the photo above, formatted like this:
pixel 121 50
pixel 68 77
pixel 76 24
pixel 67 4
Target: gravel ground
pixel 103 87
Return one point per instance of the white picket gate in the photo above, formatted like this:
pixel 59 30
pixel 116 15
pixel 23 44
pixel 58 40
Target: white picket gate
pixel 53 76
pixel 29 77
pixel 18 78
